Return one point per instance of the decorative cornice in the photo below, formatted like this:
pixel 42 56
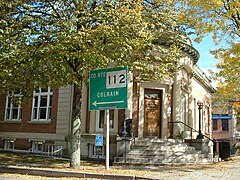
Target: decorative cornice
pixel 205 82
pixel 191 51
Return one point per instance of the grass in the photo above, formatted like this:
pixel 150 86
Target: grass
pixel 9 157
pixel 12 158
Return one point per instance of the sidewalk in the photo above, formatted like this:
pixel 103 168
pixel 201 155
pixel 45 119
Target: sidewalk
pixel 222 170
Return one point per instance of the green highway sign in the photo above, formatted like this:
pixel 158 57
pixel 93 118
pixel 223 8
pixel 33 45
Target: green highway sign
pixel 108 88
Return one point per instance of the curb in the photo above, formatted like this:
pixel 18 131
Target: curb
pixel 67 174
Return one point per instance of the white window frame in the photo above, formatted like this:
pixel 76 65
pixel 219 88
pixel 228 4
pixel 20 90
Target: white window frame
pixel 93 151
pixel 37 146
pixel 39 94
pixel 9 144
pixel 9 117
pixel 114 122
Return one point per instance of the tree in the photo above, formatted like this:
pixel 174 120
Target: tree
pixel 55 43
pixel 222 19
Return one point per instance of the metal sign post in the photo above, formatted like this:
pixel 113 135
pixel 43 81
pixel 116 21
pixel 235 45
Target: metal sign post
pixel 107 139
pixel 108 90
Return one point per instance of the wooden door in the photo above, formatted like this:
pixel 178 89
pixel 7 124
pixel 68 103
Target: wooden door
pixel 152 118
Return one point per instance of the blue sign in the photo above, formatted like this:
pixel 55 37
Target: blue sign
pixel 99 141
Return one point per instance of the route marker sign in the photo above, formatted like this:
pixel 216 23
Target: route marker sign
pixel 108 88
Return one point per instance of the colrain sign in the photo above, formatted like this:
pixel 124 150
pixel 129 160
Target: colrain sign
pixel 108 88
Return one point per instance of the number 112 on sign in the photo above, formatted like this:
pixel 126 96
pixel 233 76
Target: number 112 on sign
pixel 116 79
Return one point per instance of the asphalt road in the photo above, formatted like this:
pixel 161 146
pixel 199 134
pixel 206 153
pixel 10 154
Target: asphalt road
pixel 229 170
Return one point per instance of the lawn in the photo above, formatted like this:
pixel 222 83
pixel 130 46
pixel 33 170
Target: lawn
pixel 9 157
pixel 15 158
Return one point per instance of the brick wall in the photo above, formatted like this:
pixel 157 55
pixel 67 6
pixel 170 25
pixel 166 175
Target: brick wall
pixel 26 125
pixel 219 133
pixel 22 144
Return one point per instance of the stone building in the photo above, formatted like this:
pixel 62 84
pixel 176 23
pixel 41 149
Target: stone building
pixel 157 111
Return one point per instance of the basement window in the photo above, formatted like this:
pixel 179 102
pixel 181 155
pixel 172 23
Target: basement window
pixel 96 151
pixel 9 144
pixel 37 146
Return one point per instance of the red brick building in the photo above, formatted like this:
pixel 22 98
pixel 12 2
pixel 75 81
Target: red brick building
pixel 27 124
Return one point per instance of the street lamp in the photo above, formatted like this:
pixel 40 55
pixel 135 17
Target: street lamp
pixel 200 105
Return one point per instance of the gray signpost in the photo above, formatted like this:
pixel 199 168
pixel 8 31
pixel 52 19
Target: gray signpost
pixel 108 90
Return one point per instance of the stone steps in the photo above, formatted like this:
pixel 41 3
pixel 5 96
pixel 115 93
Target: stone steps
pixel 163 148
pixel 167 155
pixel 156 162
pixel 173 160
pixel 153 151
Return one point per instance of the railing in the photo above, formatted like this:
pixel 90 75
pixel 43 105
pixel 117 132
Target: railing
pixel 51 150
pixel 192 129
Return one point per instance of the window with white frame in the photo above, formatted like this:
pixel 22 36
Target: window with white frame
pixel 9 144
pixel 96 151
pixel 101 117
pixel 37 146
pixel 13 107
pixel 42 104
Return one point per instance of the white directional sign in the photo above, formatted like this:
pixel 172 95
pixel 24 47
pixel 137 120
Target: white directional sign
pixel 108 88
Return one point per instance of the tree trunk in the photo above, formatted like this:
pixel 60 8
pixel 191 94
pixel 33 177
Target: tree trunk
pixel 75 127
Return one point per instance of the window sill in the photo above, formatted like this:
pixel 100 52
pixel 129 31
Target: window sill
pixel 39 122
pixel 100 130
pixel 96 157
pixel 11 122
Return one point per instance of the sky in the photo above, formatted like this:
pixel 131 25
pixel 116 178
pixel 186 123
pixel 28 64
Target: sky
pixel 206 60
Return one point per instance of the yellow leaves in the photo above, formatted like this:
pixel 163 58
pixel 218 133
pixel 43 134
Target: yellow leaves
pixel 236 105
pixel 219 18
pixel 218 3
pixel 198 39
pixel 238 31
pixel 91 36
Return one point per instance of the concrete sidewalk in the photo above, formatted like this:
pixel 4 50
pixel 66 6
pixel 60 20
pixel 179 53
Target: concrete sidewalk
pixel 53 171
pixel 226 169
pixel 66 174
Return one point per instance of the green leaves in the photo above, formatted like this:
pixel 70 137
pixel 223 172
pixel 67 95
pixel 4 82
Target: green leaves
pixel 55 43
pixel 221 18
